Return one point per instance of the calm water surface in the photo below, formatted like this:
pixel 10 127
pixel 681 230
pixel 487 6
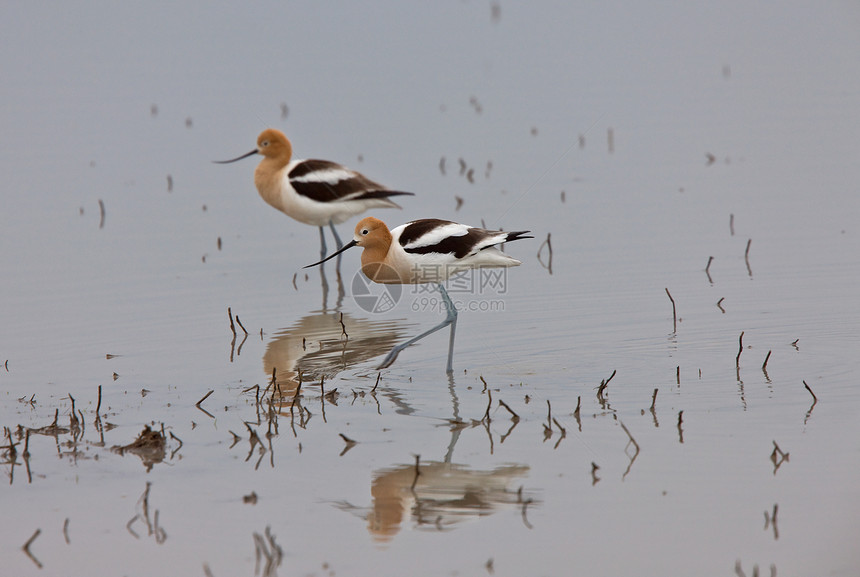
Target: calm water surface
pixel 639 142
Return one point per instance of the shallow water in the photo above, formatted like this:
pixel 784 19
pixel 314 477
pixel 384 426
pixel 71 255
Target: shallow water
pixel 641 142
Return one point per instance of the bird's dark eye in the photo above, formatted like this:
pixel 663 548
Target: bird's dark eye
pixel 364 232
pixel 265 143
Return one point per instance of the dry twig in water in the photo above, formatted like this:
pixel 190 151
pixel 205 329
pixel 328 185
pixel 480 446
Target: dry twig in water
pixel 814 398
pixel 26 548
pixel 740 348
pixel 514 417
pixel 674 313
pixel 206 396
pixel 604 384
pixel 241 325
pixel 778 457
pixel 548 244
pixel 232 325
pixel 349 443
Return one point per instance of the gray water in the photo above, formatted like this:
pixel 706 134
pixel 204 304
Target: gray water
pixel 640 141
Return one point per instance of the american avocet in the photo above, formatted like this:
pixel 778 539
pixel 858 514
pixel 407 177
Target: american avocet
pixel 315 192
pixel 427 251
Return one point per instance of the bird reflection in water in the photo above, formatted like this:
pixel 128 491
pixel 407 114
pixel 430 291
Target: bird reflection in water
pixel 440 496
pixel 319 346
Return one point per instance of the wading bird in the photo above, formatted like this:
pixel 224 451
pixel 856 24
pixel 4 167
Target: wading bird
pixel 427 251
pixel 316 192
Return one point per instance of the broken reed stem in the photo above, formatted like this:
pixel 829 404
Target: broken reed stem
pixel 740 348
pixel 747 251
pixel 578 405
pixel 653 399
pixel 31 539
pixel 766 359
pixel 99 404
pixel 710 260
pixel 483 381
pixel 814 398
pixel 26 546
pixel 514 417
pixel 241 325
pixel 232 326
pixel 548 244
pixel 604 384
pixel 206 396
pixel 777 452
pixel 612 376
pixel 489 404
pixel 548 413
pixel 674 313
pixel 172 436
